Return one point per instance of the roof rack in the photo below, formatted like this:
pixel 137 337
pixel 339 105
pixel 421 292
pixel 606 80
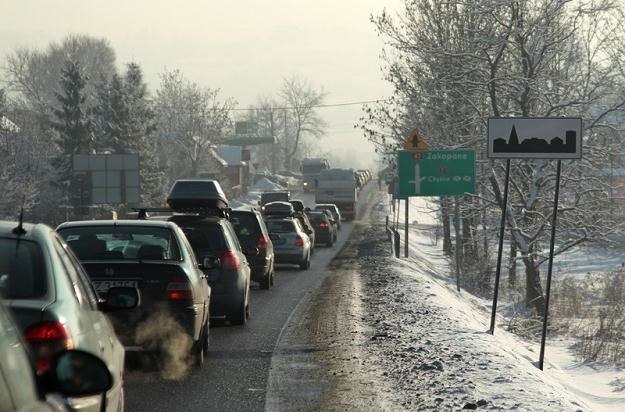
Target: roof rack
pixel 143 212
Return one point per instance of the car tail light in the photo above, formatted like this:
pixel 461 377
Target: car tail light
pixel 324 225
pixel 47 339
pixel 230 260
pixel 179 288
pixel 262 243
pixel 299 241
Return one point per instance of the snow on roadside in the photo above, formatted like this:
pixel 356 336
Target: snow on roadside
pixel 598 387
pixel 433 342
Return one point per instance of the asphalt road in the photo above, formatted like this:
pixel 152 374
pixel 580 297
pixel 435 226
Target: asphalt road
pixel 234 377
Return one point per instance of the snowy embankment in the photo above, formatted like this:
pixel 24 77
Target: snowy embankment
pixel 436 343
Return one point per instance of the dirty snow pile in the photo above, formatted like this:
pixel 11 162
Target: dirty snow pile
pixel 432 341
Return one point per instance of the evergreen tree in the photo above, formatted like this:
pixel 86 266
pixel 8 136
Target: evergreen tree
pixel 141 135
pixel 73 124
pixel 111 115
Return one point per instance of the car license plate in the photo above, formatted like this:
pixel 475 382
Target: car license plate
pixel 102 286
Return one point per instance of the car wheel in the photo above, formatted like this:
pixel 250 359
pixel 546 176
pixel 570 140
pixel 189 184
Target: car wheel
pixel 241 314
pixel 266 282
pixel 122 401
pixel 201 348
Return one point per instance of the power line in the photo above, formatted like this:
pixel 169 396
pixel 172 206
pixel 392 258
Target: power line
pixel 315 106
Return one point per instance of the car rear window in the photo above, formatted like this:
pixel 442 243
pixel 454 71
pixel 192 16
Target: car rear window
pixel 22 269
pixel 317 217
pixel 122 242
pixel 205 239
pixel 246 227
pixel 280 226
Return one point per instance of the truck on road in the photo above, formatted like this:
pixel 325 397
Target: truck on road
pixel 311 167
pixel 338 186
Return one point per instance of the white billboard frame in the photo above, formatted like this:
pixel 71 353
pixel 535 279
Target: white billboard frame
pixel 114 178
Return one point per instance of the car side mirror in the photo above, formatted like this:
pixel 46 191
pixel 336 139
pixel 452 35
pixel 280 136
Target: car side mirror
pixel 210 262
pixel 307 209
pixel 251 252
pixel 309 232
pixel 76 373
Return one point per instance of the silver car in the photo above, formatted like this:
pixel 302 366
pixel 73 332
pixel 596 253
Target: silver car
pixel 56 307
pixel 291 244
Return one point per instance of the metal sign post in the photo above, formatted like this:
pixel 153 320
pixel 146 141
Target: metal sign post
pixel 499 253
pixel 553 138
pixel 549 270
pixel 407 201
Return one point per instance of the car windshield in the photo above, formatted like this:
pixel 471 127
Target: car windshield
pixel 22 269
pixel 122 242
pixel 281 226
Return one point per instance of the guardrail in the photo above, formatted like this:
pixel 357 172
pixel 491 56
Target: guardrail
pixel 393 237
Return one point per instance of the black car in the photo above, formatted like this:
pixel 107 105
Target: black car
pixel 298 205
pixel 252 233
pixel 325 231
pixel 336 213
pixel 156 258
pixel 224 262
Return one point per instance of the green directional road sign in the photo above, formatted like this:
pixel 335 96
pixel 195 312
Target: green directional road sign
pixel 436 172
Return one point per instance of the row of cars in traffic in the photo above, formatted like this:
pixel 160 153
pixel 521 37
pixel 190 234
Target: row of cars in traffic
pixel 79 294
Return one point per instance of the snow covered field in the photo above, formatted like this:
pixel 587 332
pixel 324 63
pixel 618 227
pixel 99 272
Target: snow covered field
pixel 460 359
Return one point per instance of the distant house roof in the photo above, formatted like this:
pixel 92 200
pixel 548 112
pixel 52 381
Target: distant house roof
pixel 8 126
pixel 231 154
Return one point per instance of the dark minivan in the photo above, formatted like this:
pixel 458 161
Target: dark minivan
pixel 224 262
pixel 252 233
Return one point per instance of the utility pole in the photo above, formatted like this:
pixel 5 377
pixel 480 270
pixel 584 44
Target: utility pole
pixel 273 144
pixel 286 149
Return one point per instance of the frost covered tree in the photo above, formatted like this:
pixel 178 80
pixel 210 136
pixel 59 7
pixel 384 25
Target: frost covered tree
pixel 73 124
pixel 454 64
pixel 32 79
pixel 128 125
pixel 301 100
pixel 34 74
pixel 190 119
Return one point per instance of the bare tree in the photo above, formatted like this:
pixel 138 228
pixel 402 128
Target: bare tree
pixel 191 118
pixel 454 65
pixel 302 120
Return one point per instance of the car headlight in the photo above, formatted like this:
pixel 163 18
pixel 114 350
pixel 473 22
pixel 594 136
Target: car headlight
pixel 305 183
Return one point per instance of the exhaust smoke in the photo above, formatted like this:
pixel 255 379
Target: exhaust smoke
pixel 168 342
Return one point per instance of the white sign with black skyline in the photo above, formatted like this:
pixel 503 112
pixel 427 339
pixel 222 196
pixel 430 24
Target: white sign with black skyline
pixel 535 138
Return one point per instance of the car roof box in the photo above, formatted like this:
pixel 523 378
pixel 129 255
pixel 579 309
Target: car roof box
pixel 196 194
pixel 278 209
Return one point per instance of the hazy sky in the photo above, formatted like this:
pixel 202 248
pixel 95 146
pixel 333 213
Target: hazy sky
pixel 242 47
